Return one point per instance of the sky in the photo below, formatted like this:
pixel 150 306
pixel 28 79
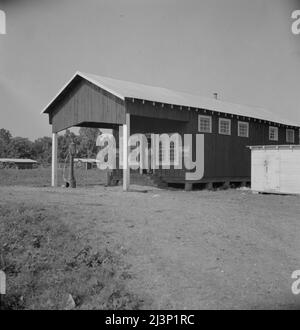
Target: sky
pixel 242 49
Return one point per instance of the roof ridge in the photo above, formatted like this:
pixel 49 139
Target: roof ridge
pixel 176 91
pixel 127 89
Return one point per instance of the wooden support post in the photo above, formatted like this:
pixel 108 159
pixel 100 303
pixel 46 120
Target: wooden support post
pixel 126 169
pixel 142 148
pixel 188 186
pixel 54 161
pixel 153 153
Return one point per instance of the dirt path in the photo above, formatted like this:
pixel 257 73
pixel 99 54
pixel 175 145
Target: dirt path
pixel 193 250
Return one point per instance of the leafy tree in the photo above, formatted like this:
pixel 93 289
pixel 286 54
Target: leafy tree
pixel 2 149
pixel 20 148
pixel 87 142
pixel 42 149
pixel 5 135
pixel 64 142
pixel 5 139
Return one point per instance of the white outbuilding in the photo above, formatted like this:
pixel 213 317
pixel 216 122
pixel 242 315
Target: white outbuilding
pixel 275 169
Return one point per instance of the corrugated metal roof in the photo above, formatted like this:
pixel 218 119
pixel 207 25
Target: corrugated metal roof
pixel 126 89
pixel 16 160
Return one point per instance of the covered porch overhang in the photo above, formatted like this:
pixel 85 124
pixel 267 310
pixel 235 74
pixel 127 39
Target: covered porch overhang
pixel 81 103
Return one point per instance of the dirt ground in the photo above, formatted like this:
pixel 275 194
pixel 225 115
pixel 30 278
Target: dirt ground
pixel 187 250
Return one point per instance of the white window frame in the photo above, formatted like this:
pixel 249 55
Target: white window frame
pixel 173 154
pixel 276 133
pixel 239 132
pixel 199 123
pixel 227 121
pixel 288 130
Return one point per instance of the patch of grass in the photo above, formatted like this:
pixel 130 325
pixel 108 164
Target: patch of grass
pixel 45 262
pixel 41 177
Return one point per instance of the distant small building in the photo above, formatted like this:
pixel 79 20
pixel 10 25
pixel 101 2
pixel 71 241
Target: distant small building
pixel 18 163
pixel 88 163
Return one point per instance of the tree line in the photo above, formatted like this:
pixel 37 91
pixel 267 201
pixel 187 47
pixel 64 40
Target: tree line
pixel 41 149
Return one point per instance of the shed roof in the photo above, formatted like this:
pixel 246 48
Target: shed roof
pixel 125 89
pixel 86 160
pixel 16 160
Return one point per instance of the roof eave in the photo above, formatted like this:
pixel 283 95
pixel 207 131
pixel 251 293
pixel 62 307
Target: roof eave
pixel 87 78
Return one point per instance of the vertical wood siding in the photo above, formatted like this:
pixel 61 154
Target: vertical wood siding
pixel 87 103
pixel 226 157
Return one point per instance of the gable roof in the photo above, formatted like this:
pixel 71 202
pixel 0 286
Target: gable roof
pixel 125 89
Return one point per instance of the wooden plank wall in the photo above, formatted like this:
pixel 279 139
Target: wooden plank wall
pixel 156 110
pixel 86 102
pixel 226 157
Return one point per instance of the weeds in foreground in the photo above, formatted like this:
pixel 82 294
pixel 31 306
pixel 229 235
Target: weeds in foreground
pixel 46 264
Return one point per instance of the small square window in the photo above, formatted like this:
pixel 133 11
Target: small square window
pixel 273 133
pixel 224 126
pixel 290 136
pixel 243 129
pixel 204 124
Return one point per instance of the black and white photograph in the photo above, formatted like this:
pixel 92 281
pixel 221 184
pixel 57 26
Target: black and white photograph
pixel 149 157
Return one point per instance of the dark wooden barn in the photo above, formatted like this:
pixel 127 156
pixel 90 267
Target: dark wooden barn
pixel 92 101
